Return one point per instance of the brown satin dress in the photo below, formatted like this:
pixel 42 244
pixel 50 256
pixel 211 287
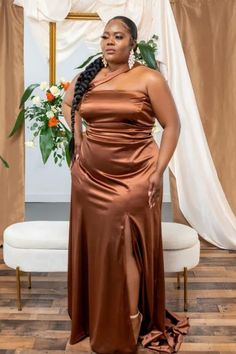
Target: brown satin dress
pixel 110 181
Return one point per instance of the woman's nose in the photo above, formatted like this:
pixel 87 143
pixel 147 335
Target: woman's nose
pixel 110 41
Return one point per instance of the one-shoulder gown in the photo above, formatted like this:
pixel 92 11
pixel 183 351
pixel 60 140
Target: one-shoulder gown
pixel 110 181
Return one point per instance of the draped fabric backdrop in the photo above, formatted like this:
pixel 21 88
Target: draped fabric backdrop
pixel 208 45
pixel 208 35
pixel 12 196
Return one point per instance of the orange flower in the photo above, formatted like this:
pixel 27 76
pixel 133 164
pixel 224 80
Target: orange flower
pixel 52 122
pixel 65 85
pixel 50 96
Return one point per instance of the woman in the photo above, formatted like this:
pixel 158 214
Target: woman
pixel 115 274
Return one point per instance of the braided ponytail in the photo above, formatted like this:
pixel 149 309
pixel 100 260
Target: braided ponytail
pixel 81 86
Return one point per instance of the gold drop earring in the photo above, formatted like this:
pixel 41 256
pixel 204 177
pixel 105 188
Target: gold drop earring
pixel 131 59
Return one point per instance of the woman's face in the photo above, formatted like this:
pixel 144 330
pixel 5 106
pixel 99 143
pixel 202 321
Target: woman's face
pixel 116 42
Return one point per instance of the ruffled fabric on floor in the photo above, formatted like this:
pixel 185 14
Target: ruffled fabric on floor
pixel 170 340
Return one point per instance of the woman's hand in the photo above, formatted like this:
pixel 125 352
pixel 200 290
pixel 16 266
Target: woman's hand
pixel 76 153
pixel 155 187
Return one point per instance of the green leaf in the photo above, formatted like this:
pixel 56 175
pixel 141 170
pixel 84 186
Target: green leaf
pixel 68 158
pixel 148 55
pixel 88 60
pixel 46 143
pixel 18 123
pixel 4 162
pixel 27 94
pixel 67 131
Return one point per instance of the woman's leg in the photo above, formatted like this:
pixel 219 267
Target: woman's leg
pixel 133 276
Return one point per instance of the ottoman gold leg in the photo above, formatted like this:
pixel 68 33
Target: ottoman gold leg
pixel 29 280
pixel 18 288
pixel 178 280
pixel 185 289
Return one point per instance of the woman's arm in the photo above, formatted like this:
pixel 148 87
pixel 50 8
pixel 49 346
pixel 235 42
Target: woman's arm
pixel 66 111
pixel 166 112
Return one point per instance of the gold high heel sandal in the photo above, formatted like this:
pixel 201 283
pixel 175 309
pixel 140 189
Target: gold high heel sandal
pixel 136 334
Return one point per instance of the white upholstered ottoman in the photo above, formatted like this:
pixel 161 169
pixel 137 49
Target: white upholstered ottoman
pixel 42 246
pixel 181 251
pixel 36 246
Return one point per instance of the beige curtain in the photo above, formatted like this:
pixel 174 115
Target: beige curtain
pixel 208 34
pixel 12 207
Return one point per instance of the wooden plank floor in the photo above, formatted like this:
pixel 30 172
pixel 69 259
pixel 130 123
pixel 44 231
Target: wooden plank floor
pixel 43 326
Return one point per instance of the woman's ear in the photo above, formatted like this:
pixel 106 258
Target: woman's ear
pixel 133 44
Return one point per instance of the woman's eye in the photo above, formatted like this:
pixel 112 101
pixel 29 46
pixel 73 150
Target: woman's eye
pixel 118 36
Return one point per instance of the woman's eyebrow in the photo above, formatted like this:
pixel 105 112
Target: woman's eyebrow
pixel 113 32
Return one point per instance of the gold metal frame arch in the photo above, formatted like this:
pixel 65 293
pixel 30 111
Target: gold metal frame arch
pixel 81 16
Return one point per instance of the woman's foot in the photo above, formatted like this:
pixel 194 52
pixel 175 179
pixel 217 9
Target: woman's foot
pixel 136 324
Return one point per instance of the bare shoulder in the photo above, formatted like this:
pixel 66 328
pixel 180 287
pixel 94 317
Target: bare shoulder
pixel 151 75
pixel 73 82
pixel 151 78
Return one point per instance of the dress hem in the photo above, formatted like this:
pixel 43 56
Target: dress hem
pixel 169 340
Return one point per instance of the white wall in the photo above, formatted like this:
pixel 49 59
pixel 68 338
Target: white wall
pixel 49 182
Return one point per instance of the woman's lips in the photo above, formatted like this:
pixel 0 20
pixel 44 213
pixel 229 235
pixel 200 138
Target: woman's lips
pixel 110 51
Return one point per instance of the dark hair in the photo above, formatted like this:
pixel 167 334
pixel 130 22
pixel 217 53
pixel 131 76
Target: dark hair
pixel 91 70
pixel 129 23
pixel 81 86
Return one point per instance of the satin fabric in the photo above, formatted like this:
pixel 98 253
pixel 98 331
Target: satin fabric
pixel 12 180
pixel 192 165
pixel 71 33
pixel 213 75
pixel 110 181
